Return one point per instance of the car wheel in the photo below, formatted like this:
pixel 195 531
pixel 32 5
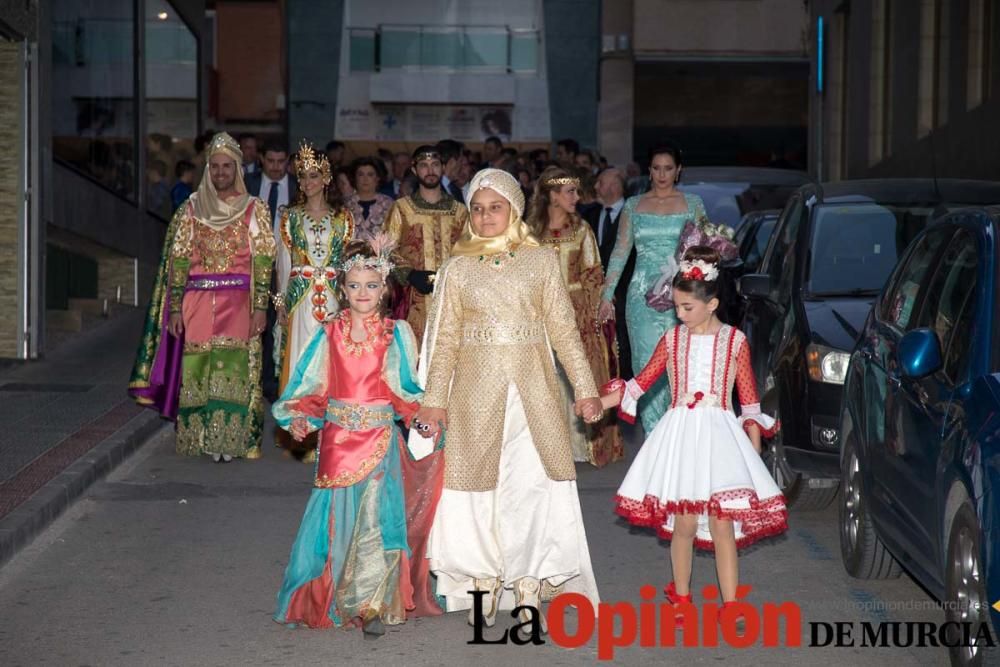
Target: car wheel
pixel 793 485
pixel 863 553
pixel 965 590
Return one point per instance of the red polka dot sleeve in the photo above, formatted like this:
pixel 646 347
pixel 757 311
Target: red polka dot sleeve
pixel 746 389
pixel 656 366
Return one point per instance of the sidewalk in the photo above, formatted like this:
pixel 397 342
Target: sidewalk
pixel 66 421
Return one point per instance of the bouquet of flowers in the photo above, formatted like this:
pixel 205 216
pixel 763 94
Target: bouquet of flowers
pixel 700 232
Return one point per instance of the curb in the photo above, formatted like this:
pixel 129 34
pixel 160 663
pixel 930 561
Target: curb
pixel 34 515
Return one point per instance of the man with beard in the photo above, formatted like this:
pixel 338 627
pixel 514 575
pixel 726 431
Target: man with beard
pixel 425 226
pixel 200 357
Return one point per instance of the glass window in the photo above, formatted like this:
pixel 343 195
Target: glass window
pixel 524 51
pixel 900 300
pixel 757 243
pixel 950 303
pixel 854 247
pixel 93 90
pixel 171 107
pixel 781 258
pixel 362 48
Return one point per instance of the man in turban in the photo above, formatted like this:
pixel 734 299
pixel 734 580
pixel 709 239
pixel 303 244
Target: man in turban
pixel 199 359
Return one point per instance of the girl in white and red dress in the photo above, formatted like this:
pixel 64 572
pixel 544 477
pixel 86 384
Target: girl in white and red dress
pixel 699 479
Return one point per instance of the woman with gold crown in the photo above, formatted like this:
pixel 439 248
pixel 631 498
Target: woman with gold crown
pixel 554 220
pixel 312 236
pixel 508 522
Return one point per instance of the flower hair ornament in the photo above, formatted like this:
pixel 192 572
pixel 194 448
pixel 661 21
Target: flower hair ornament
pixel 382 245
pixel 698 269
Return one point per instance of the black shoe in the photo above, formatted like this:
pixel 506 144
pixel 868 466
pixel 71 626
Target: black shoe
pixel 373 628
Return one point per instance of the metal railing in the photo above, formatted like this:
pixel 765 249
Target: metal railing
pixel 452 48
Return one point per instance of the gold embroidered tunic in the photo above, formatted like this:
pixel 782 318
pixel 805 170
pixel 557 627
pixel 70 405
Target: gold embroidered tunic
pixel 424 234
pixel 501 318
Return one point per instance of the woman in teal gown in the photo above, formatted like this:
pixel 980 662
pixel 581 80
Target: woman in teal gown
pixel 652 224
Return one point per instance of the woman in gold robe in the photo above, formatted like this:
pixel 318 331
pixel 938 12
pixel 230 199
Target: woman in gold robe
pixel 554 221
pixel 509 520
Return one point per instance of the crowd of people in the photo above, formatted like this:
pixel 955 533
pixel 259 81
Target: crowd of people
pixel 417 323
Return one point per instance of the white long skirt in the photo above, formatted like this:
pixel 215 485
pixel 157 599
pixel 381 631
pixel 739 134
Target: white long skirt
pixel 529 526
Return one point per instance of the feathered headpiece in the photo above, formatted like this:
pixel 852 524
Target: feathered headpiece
pixel 382 245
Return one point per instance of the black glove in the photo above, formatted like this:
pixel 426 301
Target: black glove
pixel 422 281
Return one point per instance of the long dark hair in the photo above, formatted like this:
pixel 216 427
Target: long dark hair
pixel 667 148
pixel 538 209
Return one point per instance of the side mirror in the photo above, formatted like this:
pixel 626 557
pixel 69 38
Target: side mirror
pixel 755 285
pixel 919 353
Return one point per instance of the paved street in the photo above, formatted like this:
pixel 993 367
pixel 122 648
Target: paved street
pixel 176 561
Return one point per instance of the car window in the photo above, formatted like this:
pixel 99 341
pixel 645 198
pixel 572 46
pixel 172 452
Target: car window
pixel 949 305
pixel 901 298
pixel 756 243
pixel 782 250
pixel 854 247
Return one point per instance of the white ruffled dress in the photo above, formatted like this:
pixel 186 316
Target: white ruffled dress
pixel 698 459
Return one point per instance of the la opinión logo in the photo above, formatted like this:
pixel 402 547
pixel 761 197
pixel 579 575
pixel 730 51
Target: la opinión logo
pixel 654 624
pixel 651 624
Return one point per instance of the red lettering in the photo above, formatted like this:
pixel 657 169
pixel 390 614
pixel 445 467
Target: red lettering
pixel 607 640
pixel 584 620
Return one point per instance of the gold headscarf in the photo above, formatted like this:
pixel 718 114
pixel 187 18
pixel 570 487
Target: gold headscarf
pixel 517 232
pixel 209 208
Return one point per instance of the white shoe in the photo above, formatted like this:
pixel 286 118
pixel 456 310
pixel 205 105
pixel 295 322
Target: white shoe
pixel 491 603
pixel 215 457
pixel 526 593
pixel 227 458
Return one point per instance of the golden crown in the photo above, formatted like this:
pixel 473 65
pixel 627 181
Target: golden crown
pixel 565 180
pixel 308 160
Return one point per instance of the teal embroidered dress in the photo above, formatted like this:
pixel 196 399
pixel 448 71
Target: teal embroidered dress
pixel 655 238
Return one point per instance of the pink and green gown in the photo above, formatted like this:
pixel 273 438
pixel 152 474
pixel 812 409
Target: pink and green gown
pixel 359 552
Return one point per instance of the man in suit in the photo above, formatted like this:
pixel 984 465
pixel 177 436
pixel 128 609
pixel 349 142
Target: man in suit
pixel 278 191
pixel 604 219
pixel 451 164
pixel 401 163
pixel 248 145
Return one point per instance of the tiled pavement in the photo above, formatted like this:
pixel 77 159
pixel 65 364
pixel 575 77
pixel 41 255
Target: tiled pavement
pixel 65 421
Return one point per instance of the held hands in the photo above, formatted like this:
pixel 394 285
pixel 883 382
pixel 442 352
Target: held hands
pixel 605 312
pixel 282 315
pixel 590 409
pixel 175 325
pixel 258 322
pixel 430 421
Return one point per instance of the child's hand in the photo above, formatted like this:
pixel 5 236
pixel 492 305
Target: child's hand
pixel 300 429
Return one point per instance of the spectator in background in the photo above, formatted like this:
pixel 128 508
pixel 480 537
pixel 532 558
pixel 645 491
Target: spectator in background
pixel 602 163
pixel 508 155
pixel 248 144
pixel 272 183
pixel 368 206
pixel 566 152
pixel 335 154
pixel 157 190
pixel 400 168
pixel 492 148
pixel 585 160
pixel 451 161
pixel 343 181
pixel 184 172
pixel 385 157
pixel 409 185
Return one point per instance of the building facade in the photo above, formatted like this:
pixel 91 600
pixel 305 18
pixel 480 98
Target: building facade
pixel 725 79
pixel 104 98
pixel 905 88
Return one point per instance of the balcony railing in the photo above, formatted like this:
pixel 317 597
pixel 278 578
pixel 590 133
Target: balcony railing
pixel 444 48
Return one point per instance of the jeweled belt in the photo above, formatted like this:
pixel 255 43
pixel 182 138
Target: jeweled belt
pixel 357 417
pixel 500 333
pixel 218 281
pixel 310 272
